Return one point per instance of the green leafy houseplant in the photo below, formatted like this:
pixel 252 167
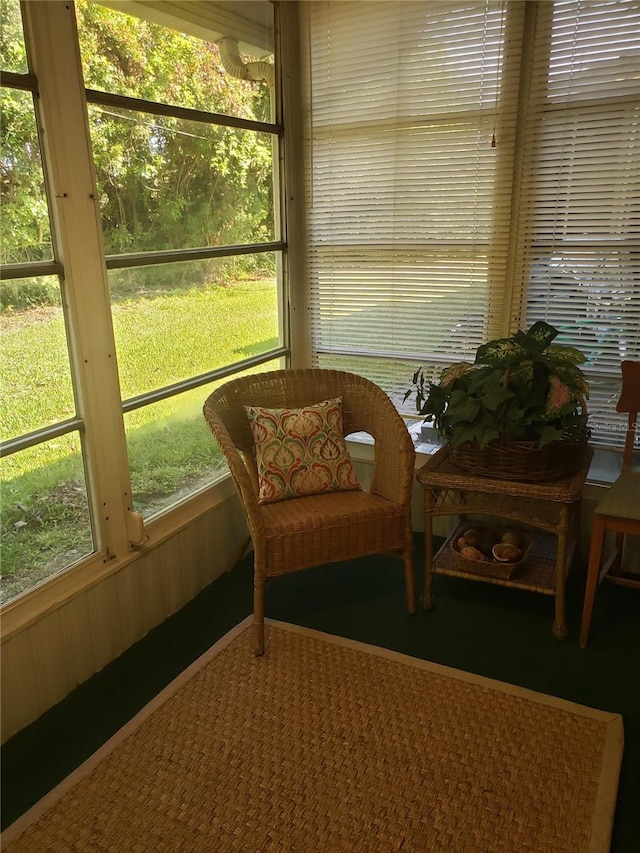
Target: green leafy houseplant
pixel 521 389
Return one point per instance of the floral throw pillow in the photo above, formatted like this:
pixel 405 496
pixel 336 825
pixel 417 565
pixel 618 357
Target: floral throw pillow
pixel 301 451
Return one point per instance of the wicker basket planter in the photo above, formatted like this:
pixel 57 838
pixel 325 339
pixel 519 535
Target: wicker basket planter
pixel 521 460
pixel 517 412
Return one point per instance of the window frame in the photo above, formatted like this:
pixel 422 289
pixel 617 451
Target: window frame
pixel 170 256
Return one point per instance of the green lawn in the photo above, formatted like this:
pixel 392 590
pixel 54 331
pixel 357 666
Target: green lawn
pixel 161 339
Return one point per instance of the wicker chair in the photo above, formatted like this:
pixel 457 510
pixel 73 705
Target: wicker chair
pixel 301 532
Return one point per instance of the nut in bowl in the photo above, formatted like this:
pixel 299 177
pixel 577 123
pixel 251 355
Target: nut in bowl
pixel 505 552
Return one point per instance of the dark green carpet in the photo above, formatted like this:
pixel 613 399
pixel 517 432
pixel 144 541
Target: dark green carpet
pixel 496 632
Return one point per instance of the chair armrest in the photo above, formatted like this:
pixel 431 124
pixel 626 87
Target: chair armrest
pixel 367 408
pixel 394 461
pixel 245 476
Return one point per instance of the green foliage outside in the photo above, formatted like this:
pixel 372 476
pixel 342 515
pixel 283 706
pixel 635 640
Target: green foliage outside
pixel 163 183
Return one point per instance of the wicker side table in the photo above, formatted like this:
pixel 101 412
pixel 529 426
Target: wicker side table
pixel 552 507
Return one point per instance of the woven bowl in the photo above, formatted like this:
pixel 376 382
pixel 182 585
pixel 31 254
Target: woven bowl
pixel 490 567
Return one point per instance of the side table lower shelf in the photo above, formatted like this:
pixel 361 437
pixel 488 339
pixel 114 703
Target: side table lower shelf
pixel 536 574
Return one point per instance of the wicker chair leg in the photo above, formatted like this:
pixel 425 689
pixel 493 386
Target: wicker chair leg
pixel 258 615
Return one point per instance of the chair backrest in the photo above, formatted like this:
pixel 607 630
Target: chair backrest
pixel 629 402
pixel 365 407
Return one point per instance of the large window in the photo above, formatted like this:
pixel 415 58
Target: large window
pixel 142 263
pixel 471 168
pixel 184 154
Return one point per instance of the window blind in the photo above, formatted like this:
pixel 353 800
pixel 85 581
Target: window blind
pixel 408 200
pixel 425 240
pixel 580 215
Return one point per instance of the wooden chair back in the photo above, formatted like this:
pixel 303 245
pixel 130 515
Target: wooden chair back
pixel 629 403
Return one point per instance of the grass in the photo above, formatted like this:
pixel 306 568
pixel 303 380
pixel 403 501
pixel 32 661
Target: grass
pixel 160 338
pixel 172 336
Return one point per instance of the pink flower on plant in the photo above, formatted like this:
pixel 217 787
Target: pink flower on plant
pixel 450 374
pixel 559 394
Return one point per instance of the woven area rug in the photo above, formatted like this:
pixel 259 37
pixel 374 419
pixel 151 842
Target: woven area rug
pixel 329 745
